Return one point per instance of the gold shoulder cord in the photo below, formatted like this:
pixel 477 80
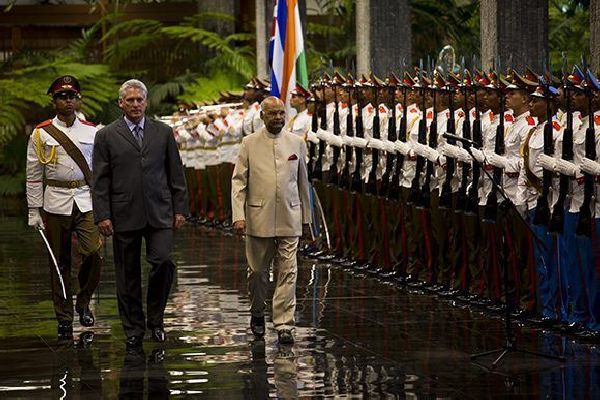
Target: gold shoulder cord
pixel 40 151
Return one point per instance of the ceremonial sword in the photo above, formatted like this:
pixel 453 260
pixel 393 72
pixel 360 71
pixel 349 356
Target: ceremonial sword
pixel 60 277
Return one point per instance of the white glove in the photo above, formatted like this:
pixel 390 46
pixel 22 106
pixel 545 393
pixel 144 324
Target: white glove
pixel 419 149
pixel 497 160
pixel 478 154
pixel 431 154
pixel 347 140
pixel 334 140
pixel 359 142
pixel 376 144
pixel 35 218
pixel 590 166
pixel 402 147
pixel 547 162
pixel 566 167
pixel 463 155
pixel 312 137
pixel 389 147
pixel 323 134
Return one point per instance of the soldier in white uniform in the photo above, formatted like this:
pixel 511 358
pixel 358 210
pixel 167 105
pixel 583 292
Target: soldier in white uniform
pixel 300 123
pixel 65 200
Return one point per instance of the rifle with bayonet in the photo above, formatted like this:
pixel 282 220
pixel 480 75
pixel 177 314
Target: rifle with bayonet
pixel 584 224
pixel 394 189
pixel 356 185
pixel 333 171
pixel 473 193
pixel 446 192
pixel 318 169
pixel 415 187
pixel 461 203
pixel 425 199
pixel 345 176
pixel 391 137
pixel 491 206
pixel 371 186
pixel 542 208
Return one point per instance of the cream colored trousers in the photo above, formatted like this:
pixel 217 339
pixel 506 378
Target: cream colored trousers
pixel 281 251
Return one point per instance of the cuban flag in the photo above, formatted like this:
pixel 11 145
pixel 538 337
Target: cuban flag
pixel 286 50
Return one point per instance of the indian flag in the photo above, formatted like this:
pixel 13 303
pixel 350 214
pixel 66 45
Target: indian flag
pixel 288 65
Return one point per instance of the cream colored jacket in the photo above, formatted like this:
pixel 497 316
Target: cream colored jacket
pixel 270 189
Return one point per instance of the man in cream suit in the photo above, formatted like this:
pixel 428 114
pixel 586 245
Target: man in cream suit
pixel 270 203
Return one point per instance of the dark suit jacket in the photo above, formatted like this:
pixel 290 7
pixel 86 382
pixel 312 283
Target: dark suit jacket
pixel 136 187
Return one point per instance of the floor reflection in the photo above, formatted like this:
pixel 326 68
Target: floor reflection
pixel 355 338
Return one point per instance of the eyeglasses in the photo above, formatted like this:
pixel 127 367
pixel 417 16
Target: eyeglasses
pixel 66 95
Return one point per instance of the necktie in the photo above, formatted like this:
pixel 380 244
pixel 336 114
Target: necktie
pixel 138 133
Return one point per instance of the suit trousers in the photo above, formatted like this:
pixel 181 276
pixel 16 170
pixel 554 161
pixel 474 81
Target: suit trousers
pixel 281 251
pixel 127 252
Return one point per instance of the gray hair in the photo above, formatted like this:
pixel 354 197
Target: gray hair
pixel 133 83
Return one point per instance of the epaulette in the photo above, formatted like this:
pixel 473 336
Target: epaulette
pixel 509 117
pixel 429 114
pixel 45 123
pixel 491 116
pixel 382 109
pixel 530 120
pixel 597 120
pixel 556 125
pixel 461 114
pixel 414 110
pixel 370 109
pixel 88 123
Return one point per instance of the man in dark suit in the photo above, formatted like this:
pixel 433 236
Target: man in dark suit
pixel 139 192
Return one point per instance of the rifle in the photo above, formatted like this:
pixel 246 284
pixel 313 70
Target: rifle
pixel 394 189
pixel 584 224
pixel 491 205
pixel 461 202
pixel 391 136
pixel 425 199
pixel 333 172
pixel 556 224
pixel 542 208
pixel 312 148
pixel 415 188
pixel 473 194
pixel 446 192
pixel 371 187
pixel 318 168
pixel 345 176
pixel 356 185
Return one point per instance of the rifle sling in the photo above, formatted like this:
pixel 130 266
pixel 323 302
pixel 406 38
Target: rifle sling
pixel 72 150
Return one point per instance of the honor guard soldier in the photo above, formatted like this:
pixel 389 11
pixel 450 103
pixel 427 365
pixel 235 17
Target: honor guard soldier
pixel 300 123
pixel 59 158
pixel 542 105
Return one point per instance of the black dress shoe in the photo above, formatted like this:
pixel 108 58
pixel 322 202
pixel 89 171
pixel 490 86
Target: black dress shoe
pixel 315 254
pixel 339 260
pixel 589 336
pixel 285 336
pixel 257 326
pixel 65 330
pixel 134 342
pixel 362 267
pixel 86 318
pixel 326 257
pixel 349 264
pixel 158 334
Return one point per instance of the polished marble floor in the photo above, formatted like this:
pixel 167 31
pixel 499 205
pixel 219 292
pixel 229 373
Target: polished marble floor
pixel 356 338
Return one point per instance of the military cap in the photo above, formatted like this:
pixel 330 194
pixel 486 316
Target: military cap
pixel 592 81
pixel 481 79
pixel 338 79
pixel 349 81
pixel 438 81
pixel 300 91
pixel 532 76
pixel 375 81
pixel 453 81
pixel 66 83
pixel 577 78
pixel 408 81
pixel 545 89
pixel 515 81
pixel 392 80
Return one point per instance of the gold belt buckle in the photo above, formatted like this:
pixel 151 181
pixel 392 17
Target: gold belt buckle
pixel 73 184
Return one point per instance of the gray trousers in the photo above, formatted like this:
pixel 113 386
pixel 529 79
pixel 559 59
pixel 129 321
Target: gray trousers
pixel 281 251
